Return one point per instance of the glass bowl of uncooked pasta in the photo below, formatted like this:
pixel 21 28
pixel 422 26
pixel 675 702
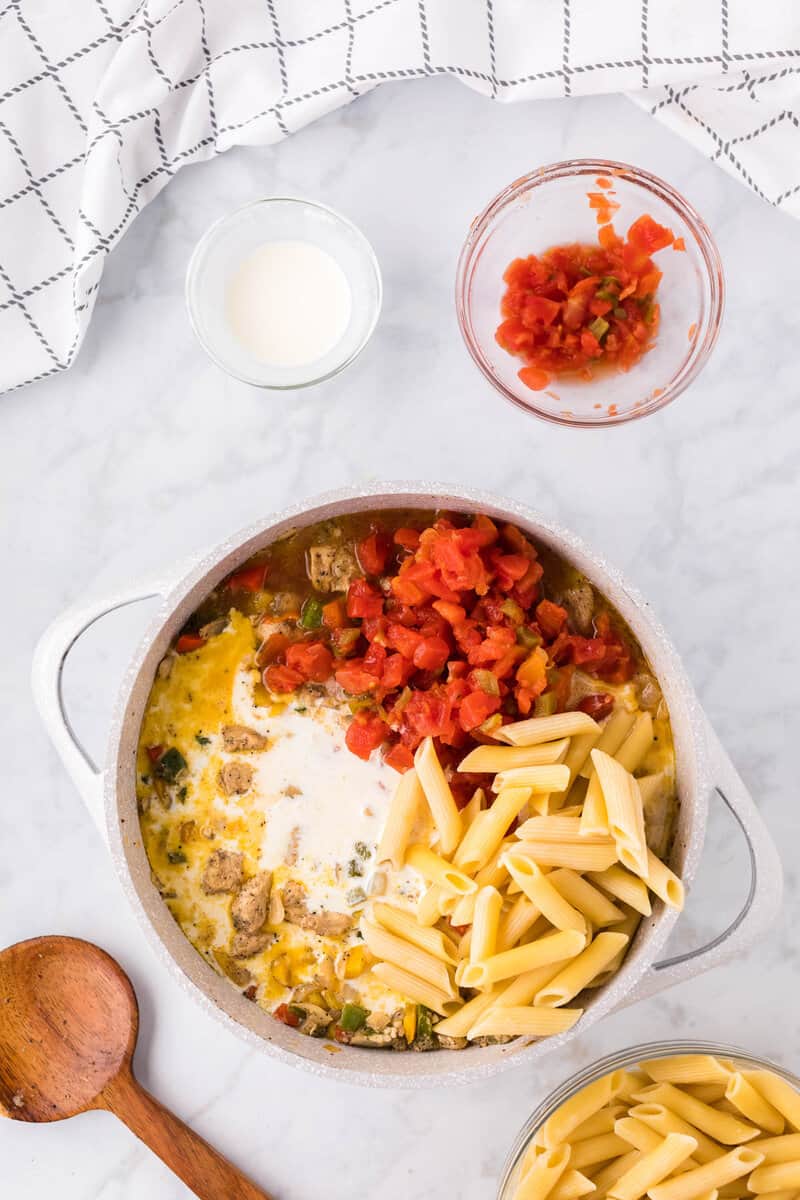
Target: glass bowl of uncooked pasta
pixel 663 1121
pixel 283 293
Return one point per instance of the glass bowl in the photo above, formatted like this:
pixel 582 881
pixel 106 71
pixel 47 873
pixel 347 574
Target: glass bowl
pixel 550 207
pixel 233 238
pixel 622 1059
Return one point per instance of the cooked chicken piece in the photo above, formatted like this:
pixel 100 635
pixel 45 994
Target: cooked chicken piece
pixel 387 1039
pixel 324 923
pixel 331 568
pixel 316 1020
pixel 235 971
pixel 452 1043
pixel 579 603
pixel 246 945
pixel 249 908
pixel 213 628
pixel 239 737
pixel 235 778
pixel 223 872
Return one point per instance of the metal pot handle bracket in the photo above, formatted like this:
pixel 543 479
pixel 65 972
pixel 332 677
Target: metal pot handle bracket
pixel 47 673
pixel 764 894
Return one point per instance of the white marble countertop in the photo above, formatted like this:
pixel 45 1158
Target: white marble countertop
pixel 144 452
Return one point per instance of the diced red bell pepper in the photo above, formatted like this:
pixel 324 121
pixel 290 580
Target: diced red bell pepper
pixel 283 1014
pixel 373 552
pixel 188 642
pixel 251 579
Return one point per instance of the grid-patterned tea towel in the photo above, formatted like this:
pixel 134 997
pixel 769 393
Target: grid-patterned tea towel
pixel 101 101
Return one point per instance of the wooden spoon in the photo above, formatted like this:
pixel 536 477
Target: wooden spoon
pixel 68 1026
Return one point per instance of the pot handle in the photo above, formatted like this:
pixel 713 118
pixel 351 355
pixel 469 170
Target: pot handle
pixel 47 673
pixel 764 894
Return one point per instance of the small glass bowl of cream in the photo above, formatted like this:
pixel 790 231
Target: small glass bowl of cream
pixel 283 293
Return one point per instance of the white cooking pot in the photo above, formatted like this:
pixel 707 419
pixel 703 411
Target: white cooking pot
pixel 703 770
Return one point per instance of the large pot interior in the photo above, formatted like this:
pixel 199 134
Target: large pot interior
pixel 216 993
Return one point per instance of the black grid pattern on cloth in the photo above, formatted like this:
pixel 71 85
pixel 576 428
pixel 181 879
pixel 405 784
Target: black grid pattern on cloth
pixel 102 101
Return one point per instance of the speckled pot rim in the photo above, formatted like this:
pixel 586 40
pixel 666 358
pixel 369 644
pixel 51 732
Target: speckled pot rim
pixel 214 993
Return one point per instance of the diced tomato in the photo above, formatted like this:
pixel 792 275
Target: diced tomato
pixel 599 705
pixel 539 309
pixel 587 650
pixel 428 714
pixel 334 615
pixel 431 654
pixel 396 672
pixel 374 659
pixel 406 590
pixel 400 757
pixel 280 679
pixel 251 579
pixel 551 618
pixel 534 378
pixel 364 599
pixel 285 1016
pixel 353 677
pixel 272 649
pixel 312 660
pixel 407 538
pixel 404 640
pixel 373 552
pixel 649 235
pixel 345 641
pixel 154 753
pixel 188 642
pixel 475 708
pixel 365 734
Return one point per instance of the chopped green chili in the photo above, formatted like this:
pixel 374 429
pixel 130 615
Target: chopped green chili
pixel 311 614
pixel 352 1018
pixel 599 327
pixel 170 765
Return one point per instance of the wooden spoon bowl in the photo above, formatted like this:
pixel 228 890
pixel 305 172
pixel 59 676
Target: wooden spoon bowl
pixel 68 1027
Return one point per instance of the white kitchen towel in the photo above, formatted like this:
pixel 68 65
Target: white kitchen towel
pixel 101 101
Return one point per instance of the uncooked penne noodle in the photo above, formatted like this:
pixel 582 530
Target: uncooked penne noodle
pixel 594 818
pixel 558 827
pixel 603 1121
pixel 720 1126
pixel 579 748
pixel 552 948
pixel 539 1179
pixel 651 787
pixel 514 924
pixel 590 1151
pixel 640 1136
pixel 624 886
pixel 435 869
pixel 654 1166
pixel 628 926
pixel 476 805
pixel 581 970
pixel 483 941
pixel 613 734
pixel 775 1177
pixel 636 745
pixel 540 891
pixel 402 981
pixel 778 1149
pixel 578 1108
pixel 594 857
pixel 540 780
pixel 460 1022
pixel 494 873
pixel 464 910
pixel 608 1175
pixel 524 1021
pixel 625 812
pixel 490 759
pixel 489 829
pixel 778 1093
pixel 664 1121
pixel 664 882
pixel 572 1186
pixel 536 730
pixel 405 925
pixel 686 1068
pixel 709 1093
pixel 446 816
pixel 634 1079
pixel 752 1105
pixel 589 900
pixel 405 805
pixel 428 910
pixel 388 947
pixel 692 1184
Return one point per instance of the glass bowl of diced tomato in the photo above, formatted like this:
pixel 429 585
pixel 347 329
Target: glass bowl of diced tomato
pixel 590 292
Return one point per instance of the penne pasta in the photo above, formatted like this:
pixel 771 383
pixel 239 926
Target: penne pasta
pixel 428 909
pixel 660 1118
pixel 489 759
pixel 403 810
pixel 775 1177
pixel 524 1021
pixel 541 893
pixel 459 1023
pixel 405 925
pixel 476 805
pixel 558 827
pixel 542 1175
pixel 593 1150
pixel 778 1093
pixel 464 910
pixel 553 948
pixel 516 922
pixel 720 1126
pixel 579 1107
pixel 594 817
pixel 627 926
pixel 686 1068
pixel 582 970
pixel 640 1136
pixel 483 941
pixel 572 1186
pixel 536 730
pixel 437 870
pixel 388 947
pixel 752 1105
pixel 778 1149
pixel 489 829
pixel 608 1175
pixel 664 882
pixel 494 873
pixel 710 1176
pixel 541 780
pixel 625 813
pixel 520 991
pixel 603 1121
pixel 636 745
pixel 654 1166
pixel 446 816
pixel 711 1093
pixel 624 886
pixel 593 858
pixel 402 981
pixel 613 734
pixel 589 900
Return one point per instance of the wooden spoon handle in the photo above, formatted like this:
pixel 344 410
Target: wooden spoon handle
pixel 200 1166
